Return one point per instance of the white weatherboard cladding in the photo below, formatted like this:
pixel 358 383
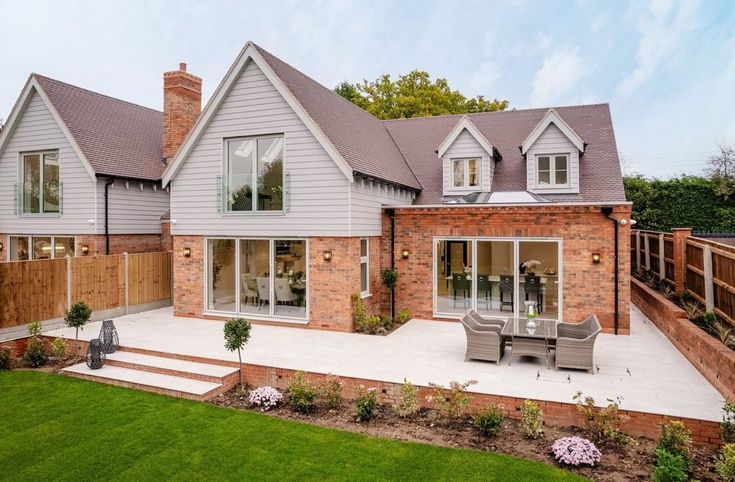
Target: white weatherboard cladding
pixel 366 199
pixel 553 141
pixel 37 130
pixel 132 210
pixel 318 190
pixel 463 147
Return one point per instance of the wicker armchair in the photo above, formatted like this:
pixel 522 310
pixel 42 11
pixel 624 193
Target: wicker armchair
pixel 575 344
pixel 484 342
pixel 479 319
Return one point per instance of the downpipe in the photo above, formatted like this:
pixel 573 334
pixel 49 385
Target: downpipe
pixel 107 215
pixel 392 215
pixel 607 211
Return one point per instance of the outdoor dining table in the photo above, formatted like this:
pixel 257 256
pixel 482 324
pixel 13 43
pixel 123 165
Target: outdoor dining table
pixel 528 340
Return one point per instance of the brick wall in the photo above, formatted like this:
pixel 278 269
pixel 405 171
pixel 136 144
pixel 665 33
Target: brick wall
pixel 588 288
pixel 166 239
pixel 119 243
pixel 182 103
pixel 715 361
pixel 189 276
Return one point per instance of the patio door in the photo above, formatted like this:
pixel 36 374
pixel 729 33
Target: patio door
pixel 453 283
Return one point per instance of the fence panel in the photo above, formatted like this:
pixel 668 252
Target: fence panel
pixel 149 277
pixel 32 291
pixel 723 278
pixel 99 281
pixel 695 270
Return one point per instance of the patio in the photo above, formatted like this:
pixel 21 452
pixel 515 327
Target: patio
pixel 643 368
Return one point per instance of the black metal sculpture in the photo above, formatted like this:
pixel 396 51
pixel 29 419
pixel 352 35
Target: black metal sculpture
pixel 108 337
pixel 95 356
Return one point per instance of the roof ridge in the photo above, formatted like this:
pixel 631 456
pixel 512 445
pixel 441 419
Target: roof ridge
pixel 92 92
pixel 497 112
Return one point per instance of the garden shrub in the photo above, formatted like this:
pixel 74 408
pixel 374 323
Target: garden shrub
pixel 403 315
pixel 265 398
pixel 532 419
pixel 725 463
pixel 675 439
pixel 489 420
pixel 359 312
pixel 330 390
pixel 727 426
pixel 605 422
pixel 5 358
pixel 365 403
pixel 408 406
pixel 669 467
pixel 237 334
pixel 302 393
pixel 576 451
pixel 58 347
pixel 450 402
pixel 35 354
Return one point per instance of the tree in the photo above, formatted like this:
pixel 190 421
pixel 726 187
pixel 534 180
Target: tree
pixel 237 334
pixel 721 171
pixel 413 95
pixel 76 317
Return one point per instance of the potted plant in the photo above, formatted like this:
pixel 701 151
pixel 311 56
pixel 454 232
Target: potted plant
pixel 529 266
pixel 390 280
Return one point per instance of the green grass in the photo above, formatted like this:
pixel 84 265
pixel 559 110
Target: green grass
pixel 53 427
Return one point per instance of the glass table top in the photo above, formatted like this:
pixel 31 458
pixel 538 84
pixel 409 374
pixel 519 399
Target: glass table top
pixel 520 327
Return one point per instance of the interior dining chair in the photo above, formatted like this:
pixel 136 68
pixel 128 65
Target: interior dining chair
pixel 484 287
pixel 506 288
pixel 462 284
pixel 532 287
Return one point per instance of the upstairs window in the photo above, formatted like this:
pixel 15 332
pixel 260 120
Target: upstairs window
pixel 465 173
pixel 552 170
pixel 254 174
pixel 40 183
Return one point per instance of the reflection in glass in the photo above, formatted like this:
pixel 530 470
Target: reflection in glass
pixel 241 154
pixel 540 283
pixel 63 247
pixel 454 276
pixel 31 183
pixel 221 274
pixel 495 265
pixel 42 248
pixel 18 248
pixel 290 282
pixel 51 189
pixel 255 276
pixel 270 174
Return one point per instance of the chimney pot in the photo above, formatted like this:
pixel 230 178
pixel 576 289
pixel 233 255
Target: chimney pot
pixel 182 66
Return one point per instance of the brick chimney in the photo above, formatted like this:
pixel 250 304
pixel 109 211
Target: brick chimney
pixel 182 103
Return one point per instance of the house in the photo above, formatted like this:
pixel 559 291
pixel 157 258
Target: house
pixel 80 172
pixel 286 199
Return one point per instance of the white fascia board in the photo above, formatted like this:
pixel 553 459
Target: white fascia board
pixel 465 123
pixel 552 117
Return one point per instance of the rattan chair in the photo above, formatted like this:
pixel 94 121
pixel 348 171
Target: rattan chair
pixel 484 342
pixel 575 344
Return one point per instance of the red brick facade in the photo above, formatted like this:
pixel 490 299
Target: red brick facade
pixel 119 243
pixel 182 103
pixel 587 288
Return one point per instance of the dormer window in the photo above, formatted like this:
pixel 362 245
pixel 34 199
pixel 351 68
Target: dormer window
pixel 465 173
pixel 552 170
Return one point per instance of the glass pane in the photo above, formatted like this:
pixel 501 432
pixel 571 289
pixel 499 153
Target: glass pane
pixel 458 173
pixel 32 183
pixel 544 177
pixel 495 283
pixel 363 247
pixel 42 248
pixel 290 282
pixel 255 276
pixel 561 169
pixel 18 248
pixel 543 163
pixel 453 276
pixel 51 191
pixel 473 172
pixel 364 277
pixel 539 277
pixel 221 274
pixel 63 247
pixel 270 174
pixel 239 181
pixel 561 177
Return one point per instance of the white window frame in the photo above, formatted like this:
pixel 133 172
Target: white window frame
pixel 29 241
pixel 552 170
pixel 366 261
pixel 41 194
pixel 466 173
pixel 226 174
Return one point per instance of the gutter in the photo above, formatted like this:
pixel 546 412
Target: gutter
pixel 512 205
pixel 607 212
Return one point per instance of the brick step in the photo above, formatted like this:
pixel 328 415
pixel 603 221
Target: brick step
pixel 179 387
pixel 207 372
pixel 177 356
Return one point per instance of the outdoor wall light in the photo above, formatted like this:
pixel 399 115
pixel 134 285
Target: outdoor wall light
pixel 84 249
pixel 1 246
pixel 187 252
pixel 596 258
pixel 327 255
pixel 404 254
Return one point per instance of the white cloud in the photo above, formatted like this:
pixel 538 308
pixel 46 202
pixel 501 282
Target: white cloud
pixel 484 79
pixel 663 26
pixel 559 74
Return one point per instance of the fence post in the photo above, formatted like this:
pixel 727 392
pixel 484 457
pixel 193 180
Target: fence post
pixel 661 257
pixel 709 286
pixel 68 282
pixel 638 251
pixel 647 252
pixel 680 258
pixel 127 290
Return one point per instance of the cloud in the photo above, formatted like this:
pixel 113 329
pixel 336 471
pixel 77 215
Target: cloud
pixel 559 74
pixel 662 26
pixel 484 79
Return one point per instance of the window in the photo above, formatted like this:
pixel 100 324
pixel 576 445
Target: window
pixel 40 183
pixel 254 174
pixel 552 170
pixel 364 267
pixel 465 173
pixel 23 248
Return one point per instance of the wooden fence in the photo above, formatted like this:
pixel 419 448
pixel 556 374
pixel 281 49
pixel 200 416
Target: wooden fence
pixel 707 268
pixel 114 285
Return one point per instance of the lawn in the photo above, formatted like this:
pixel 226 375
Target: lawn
pixel 52 427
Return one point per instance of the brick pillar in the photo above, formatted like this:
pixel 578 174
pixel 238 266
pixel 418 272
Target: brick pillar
pixel 680 257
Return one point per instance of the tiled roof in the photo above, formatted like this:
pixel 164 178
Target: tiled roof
pixel 117 137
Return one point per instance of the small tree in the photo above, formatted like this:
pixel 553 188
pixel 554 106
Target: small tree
pixel 237 334
pixel 76 317
pixel 390 280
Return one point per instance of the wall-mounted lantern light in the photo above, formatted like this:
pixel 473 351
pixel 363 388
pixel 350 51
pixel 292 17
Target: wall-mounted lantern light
pixel 1 246
pixel 596 258
pixel 404 254
pixel 187 252
pixel 327 255
pixel 84 249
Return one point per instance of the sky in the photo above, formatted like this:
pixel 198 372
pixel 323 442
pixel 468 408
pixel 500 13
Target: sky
pixel 667 68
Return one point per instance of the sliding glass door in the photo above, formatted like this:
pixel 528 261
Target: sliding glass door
pixel 264 278
pixel 497 277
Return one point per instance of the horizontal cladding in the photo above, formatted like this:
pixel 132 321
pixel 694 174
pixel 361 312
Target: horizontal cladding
pixel 37 130
pixel 553 141
pixel 318 190
pixel 366 200
pixel 463 147
pixel 132 210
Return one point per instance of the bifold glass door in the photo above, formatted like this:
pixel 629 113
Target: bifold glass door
pixel 497 277
pixel 258 277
